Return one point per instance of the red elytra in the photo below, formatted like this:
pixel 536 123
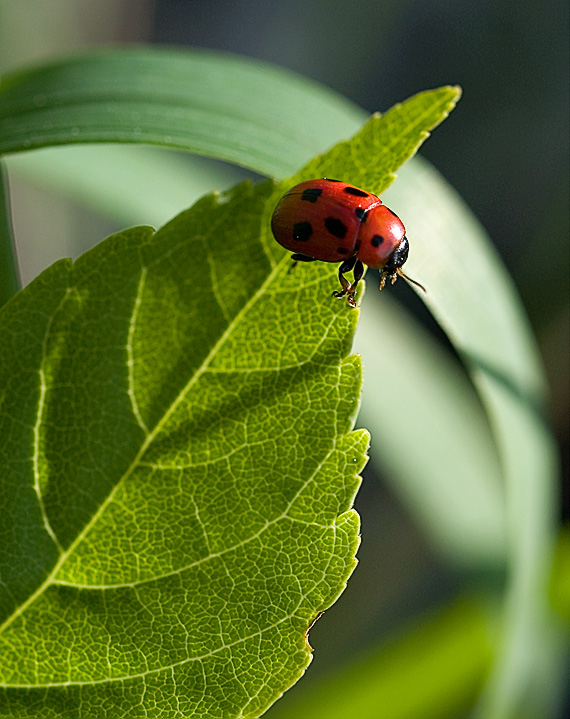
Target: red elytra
pixel 333 221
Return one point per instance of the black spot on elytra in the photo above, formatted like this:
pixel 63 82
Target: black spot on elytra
pixel 377 240
pixel 312 194
pixel 355 191
pixel 302 231
pixel 361 214
pixel 342 250
pixel 336 227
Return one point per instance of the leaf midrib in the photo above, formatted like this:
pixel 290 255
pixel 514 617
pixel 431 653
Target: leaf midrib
pixel 145 445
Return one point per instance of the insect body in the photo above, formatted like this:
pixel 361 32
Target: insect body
pixel 333 221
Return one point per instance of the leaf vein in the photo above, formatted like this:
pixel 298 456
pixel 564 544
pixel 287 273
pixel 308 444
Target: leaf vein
pixel 227 550
pixel 130 352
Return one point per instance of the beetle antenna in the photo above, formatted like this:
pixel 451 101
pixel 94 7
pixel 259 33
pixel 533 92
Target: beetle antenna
pixel 409 279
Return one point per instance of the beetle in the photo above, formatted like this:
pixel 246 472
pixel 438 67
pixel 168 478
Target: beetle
pixel 333 221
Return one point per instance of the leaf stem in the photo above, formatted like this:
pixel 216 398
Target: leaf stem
pixel 9 278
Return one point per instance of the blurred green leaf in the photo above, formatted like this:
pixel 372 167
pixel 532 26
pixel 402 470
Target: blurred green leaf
pixel 430 435
pixel 160 183
pixel 229 107
pixel 8 270
pixel 474 300
pixel 546 292
pixel 560 580
pixel 178 471
pixel 431 671
pixel 371 157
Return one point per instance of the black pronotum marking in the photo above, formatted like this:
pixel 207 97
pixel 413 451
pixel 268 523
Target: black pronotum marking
pixel 355 191
pixel 336 227
pixel 360 213
pixel 377 240
pixel 302 231
pixel 398 257
pixel 312 194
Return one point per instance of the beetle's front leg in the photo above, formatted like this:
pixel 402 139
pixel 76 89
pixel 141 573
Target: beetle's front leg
pixel 347 288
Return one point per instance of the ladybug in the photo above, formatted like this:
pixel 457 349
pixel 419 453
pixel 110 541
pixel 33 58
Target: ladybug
pixel 333 221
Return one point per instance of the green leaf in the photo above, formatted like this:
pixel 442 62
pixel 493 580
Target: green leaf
pixel 210 103
pixel 180 467
pixel 474 300
pixel 371 158
pixel 179 471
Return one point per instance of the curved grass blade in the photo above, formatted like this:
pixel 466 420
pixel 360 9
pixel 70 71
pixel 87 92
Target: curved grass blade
pixel 475 302
pixel 431 437
pixel 215 104
pixel 471 296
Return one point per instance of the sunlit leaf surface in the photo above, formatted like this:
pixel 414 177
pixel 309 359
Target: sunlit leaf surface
pixel 178 471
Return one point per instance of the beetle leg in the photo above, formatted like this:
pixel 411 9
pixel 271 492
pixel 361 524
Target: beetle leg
pixel 347 288
pixel 297 257
pixel 358 272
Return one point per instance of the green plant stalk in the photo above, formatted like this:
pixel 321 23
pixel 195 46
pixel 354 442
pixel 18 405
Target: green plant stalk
pixel 9 280
pixel 528 645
